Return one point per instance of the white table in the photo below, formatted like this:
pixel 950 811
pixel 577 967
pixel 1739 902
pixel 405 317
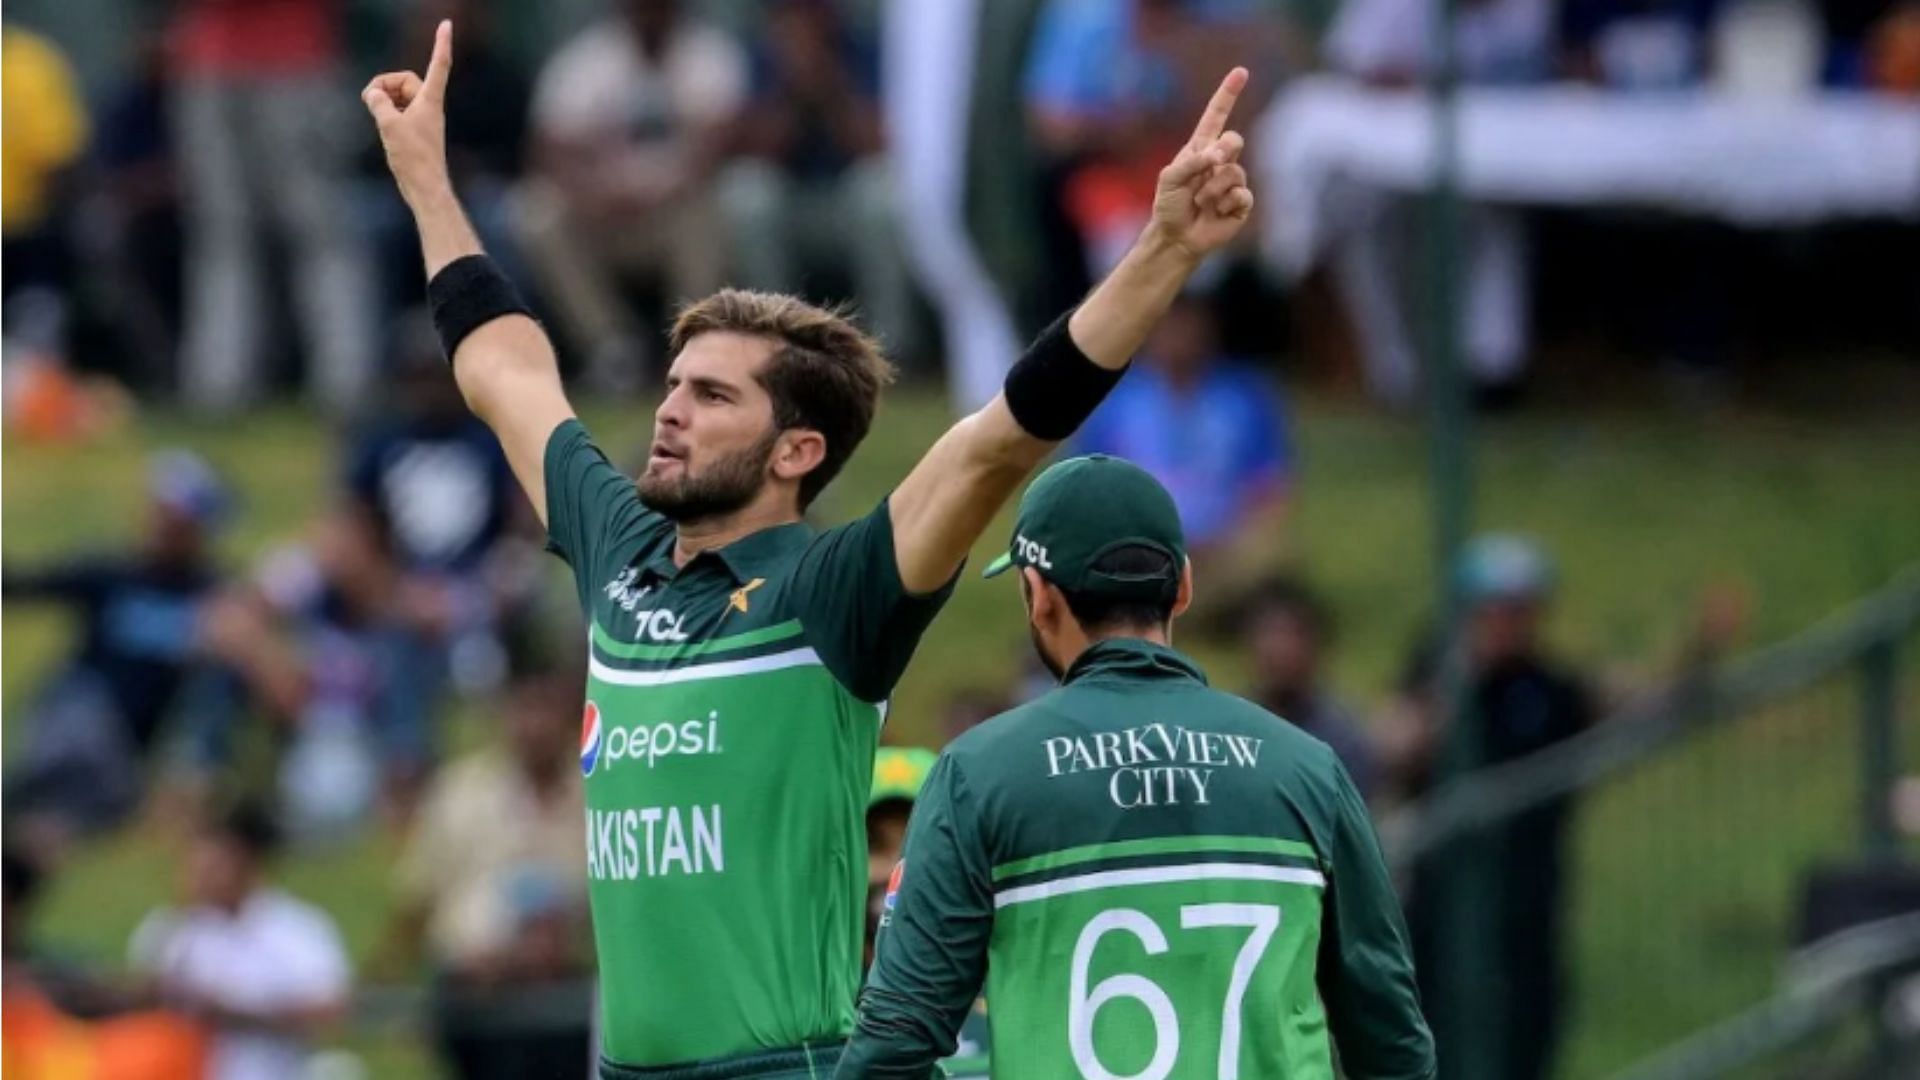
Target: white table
pixel 1328 149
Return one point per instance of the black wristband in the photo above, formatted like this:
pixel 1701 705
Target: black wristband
pixel 1053 387
pixel 468 293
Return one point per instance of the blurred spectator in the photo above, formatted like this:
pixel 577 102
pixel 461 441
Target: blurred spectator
pixel 1288 630
pixel 899 772
pixel 494 883
pixel 1521 701
pixel 1636 44
pixel 45 126
pixel 428 472
pixel 486 142
pixel 1113 86
pixel 20 882
pixel 812 193
pixel 264 970
pixel 267 138
pixel 1768 49
pixel 56 982
pixel 1679 301
pixel 134 239
pixel 1390 43
pixel 1210 429
pixel 432 480
pixel 1893 51
pixel 45 1032
pixel 328 641
pixel 140 632
pixel 898 775
pixel 629 124
pixel 930 66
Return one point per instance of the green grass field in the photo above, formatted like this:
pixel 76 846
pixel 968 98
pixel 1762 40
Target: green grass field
pixel 1685 869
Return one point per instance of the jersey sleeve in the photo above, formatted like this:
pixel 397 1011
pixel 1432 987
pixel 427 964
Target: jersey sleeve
pixel 1366 960
pixel 931 955
pixel 593 509
pixel 858 614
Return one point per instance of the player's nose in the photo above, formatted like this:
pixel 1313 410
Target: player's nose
pixel 672 411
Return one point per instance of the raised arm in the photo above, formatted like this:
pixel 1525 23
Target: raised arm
pixel 950 497
pixel 506 367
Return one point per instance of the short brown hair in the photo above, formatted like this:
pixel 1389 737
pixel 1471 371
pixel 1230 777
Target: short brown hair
pixel 824 375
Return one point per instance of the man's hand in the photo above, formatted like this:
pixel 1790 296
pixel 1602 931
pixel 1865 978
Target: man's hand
pixel 949 498
pixel 411 114
pixel 1202 202
pixel 1203 198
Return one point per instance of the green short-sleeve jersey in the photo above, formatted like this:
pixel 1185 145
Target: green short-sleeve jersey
pixel 733 706
pixel 1154 879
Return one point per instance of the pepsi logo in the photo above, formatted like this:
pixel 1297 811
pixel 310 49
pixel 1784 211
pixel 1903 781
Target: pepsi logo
pixel 589 739
pixel 893 884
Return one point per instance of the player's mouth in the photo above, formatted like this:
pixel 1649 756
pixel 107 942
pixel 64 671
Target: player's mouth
pixel 660 455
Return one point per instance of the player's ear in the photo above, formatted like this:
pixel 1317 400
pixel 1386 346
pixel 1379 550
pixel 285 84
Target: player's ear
pixel 1039 596
pixel 797 452
pixel 1184 598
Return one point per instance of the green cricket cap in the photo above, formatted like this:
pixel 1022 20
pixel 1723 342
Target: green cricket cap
pixel 1078 511
pixel 899 772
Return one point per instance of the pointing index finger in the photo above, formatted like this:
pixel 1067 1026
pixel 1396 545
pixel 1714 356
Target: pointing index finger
pixel 1214 121
pixel 435 86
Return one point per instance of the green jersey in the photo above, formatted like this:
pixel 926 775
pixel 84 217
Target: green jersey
pixel 733 706
pixel 1156 880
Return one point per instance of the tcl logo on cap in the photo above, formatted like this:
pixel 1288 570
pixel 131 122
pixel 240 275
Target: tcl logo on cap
pixel 1034 553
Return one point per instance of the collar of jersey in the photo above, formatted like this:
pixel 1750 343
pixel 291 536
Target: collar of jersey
pixel 1134 658
pixel 753 555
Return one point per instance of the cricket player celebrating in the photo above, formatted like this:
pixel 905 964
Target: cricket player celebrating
pixel 741 663
pixel 1155 879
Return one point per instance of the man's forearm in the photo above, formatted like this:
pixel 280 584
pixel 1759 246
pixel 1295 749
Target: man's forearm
pixel 1114 320
pixel 505 368
pixel 445 233
pixel 952 495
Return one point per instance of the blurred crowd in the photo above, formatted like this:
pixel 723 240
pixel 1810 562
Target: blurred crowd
pixel 205 219
pixel 212 224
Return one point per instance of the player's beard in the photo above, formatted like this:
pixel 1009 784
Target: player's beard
pixel 721 488
pixel 1033 631
pixel 1040 648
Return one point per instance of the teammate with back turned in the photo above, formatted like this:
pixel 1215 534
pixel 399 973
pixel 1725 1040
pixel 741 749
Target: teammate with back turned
pixel 740 662
pixel 1155 879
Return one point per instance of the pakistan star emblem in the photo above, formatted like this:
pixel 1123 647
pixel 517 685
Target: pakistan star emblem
pixel 738 601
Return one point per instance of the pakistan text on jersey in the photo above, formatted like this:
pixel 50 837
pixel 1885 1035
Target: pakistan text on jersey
pixel 1154 764
pixel 654 841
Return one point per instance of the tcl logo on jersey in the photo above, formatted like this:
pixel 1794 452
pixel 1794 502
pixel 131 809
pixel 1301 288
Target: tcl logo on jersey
pixel 657 624
pixel 589 739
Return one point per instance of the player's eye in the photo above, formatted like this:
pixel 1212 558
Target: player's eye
pixel 709 394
